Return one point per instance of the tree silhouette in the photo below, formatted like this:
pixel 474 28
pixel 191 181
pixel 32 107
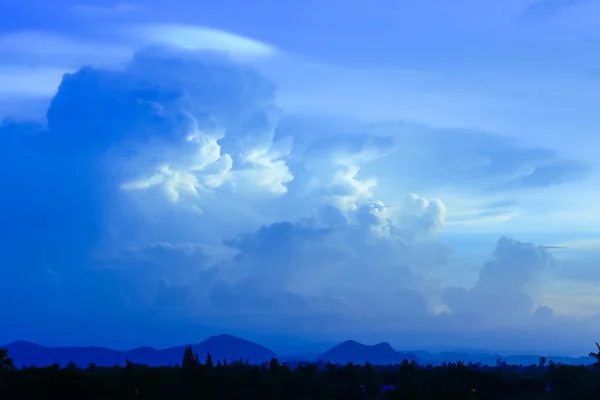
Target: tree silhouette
pixel 5 361
pixel 596 356
pixel 6 364
pixel 131 377
pixel 319 380
pixel 209 361
pixel 190 359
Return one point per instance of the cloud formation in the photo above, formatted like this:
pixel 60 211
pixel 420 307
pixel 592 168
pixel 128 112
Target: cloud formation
pixel 176 189
pixel 202 38
pixel 473 159
pixel 501 289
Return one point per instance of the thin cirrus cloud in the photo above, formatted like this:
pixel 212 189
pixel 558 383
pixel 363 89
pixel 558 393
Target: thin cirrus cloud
pixel 201 38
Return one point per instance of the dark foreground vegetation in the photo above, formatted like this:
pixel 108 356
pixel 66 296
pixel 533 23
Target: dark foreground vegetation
pixel 203 379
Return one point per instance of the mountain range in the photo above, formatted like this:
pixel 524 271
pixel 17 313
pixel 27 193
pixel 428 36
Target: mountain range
pixel 358 353
pixel 221 347
pixel 230 348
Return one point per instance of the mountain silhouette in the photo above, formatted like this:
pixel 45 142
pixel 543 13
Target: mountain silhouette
pixel 231 348
pixel 358 353
pixel 220 347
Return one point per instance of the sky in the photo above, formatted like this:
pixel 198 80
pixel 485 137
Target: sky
pixel 423 173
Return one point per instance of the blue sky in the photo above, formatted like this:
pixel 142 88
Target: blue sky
pixel 422 173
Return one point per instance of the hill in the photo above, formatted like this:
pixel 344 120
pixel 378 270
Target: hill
pixel 220 347
pixel 231 348
pixel 358 353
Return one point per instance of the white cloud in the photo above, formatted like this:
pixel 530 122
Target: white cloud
pixel 185 147
pixel 201 38
pixel 267 170
pixel 421 216
pixel 342 263
pixel 190 164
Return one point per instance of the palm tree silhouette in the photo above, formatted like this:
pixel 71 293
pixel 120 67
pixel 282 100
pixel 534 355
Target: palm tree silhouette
pixel 596 356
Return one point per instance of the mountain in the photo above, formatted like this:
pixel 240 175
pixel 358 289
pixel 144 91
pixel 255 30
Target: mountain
pixel 26 353
pixel 491 358
pixel 220 347
pixel 231 348
pixel 358 353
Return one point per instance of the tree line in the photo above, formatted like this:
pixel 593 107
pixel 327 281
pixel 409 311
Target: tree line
pixel 204 379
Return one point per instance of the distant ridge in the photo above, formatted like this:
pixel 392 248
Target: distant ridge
pixel 231 348
pixel 221 347
pixel 358 353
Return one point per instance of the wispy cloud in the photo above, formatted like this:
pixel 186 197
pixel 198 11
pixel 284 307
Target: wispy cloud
pixel 580 244
pixel 194 37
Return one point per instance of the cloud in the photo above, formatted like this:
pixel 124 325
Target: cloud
pixel 175 189
pixel 579 244
pixel 175 132
pixel 330 163
pixel 162 256
pixel 578 266
pixel 500 292
pixel 321 267
pixel 544 313
pixel 172 296
pixel 421 216
pixel 106 128
pixel 35 59
pixel 470 159
pixel 194 37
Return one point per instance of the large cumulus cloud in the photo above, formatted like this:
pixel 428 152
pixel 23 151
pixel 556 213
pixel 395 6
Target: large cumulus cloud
pixel 176 190
pixel 500 293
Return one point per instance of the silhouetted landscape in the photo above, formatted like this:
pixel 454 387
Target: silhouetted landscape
pixel 230 348
pixel 222 347
pixel 254 372
pixel 299 200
